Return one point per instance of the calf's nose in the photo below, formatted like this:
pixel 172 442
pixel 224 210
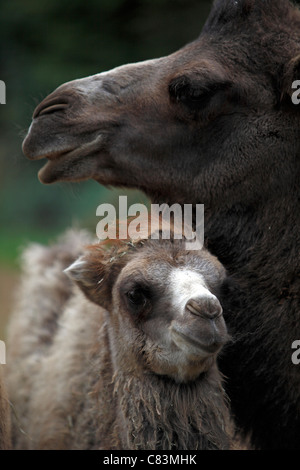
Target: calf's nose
pixel 206 307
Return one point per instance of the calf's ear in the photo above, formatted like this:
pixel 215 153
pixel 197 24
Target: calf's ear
pixel 290 83
pixel 90 272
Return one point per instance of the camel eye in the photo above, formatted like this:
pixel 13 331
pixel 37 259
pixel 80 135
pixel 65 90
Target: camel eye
pixel 183 90
pixel 194 94
pixel 197 99
pixel 137 297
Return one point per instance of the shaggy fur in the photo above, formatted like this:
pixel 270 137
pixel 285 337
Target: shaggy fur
pixel 74 385
pixel 213 123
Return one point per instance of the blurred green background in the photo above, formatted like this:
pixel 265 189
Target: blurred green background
pixel 44 43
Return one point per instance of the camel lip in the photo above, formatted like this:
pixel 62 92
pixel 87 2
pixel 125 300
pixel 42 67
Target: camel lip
pixel 205 349
pixel 53 155
pixel 57 169
pixel 56 155
pixel 47 169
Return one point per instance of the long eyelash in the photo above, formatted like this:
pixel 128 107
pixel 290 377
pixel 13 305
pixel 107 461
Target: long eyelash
pixel 199 98
pixel 183 90
pixel 143 291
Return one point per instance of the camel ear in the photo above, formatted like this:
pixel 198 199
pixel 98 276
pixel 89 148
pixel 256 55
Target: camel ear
pixel 290 88
pixel 90 273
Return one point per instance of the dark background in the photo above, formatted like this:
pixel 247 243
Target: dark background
pixel 44 43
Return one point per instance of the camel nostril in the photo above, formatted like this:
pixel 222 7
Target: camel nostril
pixel 205 307
pixel 50 106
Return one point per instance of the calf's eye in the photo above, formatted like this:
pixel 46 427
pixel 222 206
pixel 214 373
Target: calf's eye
pixel 137 297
